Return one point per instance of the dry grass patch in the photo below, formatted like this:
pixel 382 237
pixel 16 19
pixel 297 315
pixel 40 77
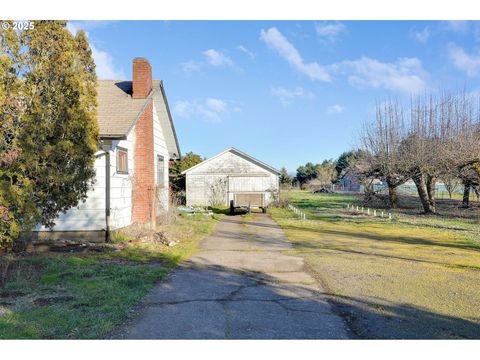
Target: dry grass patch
pixel 391 279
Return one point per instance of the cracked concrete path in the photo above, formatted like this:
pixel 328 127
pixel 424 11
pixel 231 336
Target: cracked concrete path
pixel 241 285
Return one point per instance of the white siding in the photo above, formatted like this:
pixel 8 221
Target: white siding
pixel 160 148
pixel 237 173
pixel 90 215
pixel 121 185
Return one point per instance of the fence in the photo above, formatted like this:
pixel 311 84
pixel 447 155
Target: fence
pixel 370 212
pixel 410 189
pixel 298 212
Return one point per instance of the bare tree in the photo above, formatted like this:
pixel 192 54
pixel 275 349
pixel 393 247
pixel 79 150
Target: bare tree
pixel 217 191
pixel 451 182
pixel 459 134
pixel 440 140
pixel 382 141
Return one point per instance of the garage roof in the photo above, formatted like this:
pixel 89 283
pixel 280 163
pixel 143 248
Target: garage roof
pixel 241 154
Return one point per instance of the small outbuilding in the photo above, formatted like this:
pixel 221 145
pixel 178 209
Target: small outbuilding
pixel 232 178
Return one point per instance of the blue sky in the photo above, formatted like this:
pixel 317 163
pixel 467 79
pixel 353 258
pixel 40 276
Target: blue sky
pixel 286 92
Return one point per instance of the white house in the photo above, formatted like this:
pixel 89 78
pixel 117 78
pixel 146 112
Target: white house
pixel 137 142
pixel 231 176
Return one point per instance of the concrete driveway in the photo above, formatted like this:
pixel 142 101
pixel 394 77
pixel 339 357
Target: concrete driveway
pixel 241 285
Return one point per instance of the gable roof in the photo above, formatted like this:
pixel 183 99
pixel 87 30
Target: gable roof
pixel 238 153
pixel 118 111
pixel 166 122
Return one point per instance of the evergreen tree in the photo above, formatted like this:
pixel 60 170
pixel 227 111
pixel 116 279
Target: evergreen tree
pixel 178 166
pixel 16 209
pixel 306 172
pixel 56 132
pixel 284 178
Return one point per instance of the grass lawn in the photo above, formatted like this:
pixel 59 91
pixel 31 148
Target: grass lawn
pixel 412 277
pixel 85 296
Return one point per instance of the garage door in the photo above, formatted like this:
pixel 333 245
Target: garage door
pixel 248 183
pixel 248 199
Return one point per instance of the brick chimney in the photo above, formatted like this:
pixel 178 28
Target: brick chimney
pixel 142 78
pixel 143 194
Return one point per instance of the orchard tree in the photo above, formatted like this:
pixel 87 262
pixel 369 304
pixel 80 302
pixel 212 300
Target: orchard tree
pixel 451 181
pixel 382 140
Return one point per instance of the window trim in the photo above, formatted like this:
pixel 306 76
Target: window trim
pixel 121 149
pixel 163 170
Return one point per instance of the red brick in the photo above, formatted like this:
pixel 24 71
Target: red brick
pixel 143 197
pixel 142 78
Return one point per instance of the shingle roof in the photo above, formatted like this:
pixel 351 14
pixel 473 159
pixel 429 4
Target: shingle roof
pixel 118 111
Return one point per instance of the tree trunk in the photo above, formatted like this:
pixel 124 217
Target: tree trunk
pixel 430 184
pixel 466 195
pixel 392 195
pixel 419 181
pixel 450 191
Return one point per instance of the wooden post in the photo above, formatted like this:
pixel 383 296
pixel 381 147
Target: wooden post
pixel 374 212
pixel 368 211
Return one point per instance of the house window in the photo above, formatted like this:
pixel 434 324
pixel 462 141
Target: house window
pixel 122 161
pixel 160 171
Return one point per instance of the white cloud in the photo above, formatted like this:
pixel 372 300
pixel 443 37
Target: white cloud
pixel 246 51
pixel 183 108
pixel 210 110
pixel 216 105
pixel 105 67
pixel 72 27
pixel 329 30
pixel 421 36
pixel 217 58
pixel 469 63
pixel 276 41
pixel 104 64
pixel 336 109
pixel 286 96
pixel 458 26
pixel 405 74
pixel 190 66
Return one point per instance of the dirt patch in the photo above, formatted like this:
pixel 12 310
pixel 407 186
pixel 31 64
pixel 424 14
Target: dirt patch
pixel 81 248
pixel 14 268
pixel 12 294
pixel 45 301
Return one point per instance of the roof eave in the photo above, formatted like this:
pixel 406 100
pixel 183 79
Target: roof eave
pixel 113 136
pixel 179 155
pixel 241 153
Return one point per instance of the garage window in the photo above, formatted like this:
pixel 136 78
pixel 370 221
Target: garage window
pixel 122 161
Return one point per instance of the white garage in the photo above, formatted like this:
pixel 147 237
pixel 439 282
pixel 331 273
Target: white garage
pixel 231 176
